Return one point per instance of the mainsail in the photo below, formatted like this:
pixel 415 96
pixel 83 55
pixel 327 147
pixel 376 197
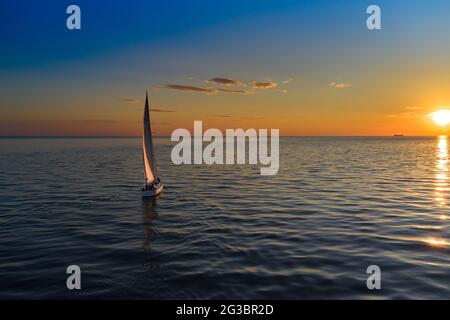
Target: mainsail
pixel 148 150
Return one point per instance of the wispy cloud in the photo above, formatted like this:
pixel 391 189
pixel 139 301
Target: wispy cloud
pixel 129 100
pixel 233 91
pixel 405 115
pixel 341 85
pixel 134 101
pixel 252 84
pixel 288 81
pixel 203 90
pixel 183 88
pixel 263 85
pixel 408 114
pixel 160 110
pixel 226 82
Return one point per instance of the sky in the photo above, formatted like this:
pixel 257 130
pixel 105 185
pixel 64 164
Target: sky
pixel 308 68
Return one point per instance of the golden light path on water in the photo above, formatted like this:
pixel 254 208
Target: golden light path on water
pixel 441 184
pixel 434 242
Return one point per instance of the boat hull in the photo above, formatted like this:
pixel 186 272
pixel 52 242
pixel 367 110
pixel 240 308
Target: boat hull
pixel 152 193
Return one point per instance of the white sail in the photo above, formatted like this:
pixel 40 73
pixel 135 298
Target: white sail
pixel 147 146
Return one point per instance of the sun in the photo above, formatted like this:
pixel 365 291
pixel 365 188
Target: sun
pixel 441 117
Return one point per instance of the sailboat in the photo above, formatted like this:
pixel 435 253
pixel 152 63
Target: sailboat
pixel 153 185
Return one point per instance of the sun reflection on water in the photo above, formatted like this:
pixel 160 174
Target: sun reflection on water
pixel 441 187
pixel 441 170
pixel 435 242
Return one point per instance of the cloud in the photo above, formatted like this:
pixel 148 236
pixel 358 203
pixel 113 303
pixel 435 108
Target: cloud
pixel 233 91
pixel 203 90
pixel 237 83
pixel 340 85
pixel 178 87
pixel 226 82
pixel 263 85
pixel 133 101
pixel 288 81
pixel 405 115
pixel 408 114
pixel 160 110
pixel 130 100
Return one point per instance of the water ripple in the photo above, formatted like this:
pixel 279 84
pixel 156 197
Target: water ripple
pixel 337 206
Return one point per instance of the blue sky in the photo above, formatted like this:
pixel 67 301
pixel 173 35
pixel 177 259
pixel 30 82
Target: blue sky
pixel 36 33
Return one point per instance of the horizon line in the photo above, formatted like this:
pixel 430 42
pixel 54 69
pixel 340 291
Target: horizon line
pixel 167 136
